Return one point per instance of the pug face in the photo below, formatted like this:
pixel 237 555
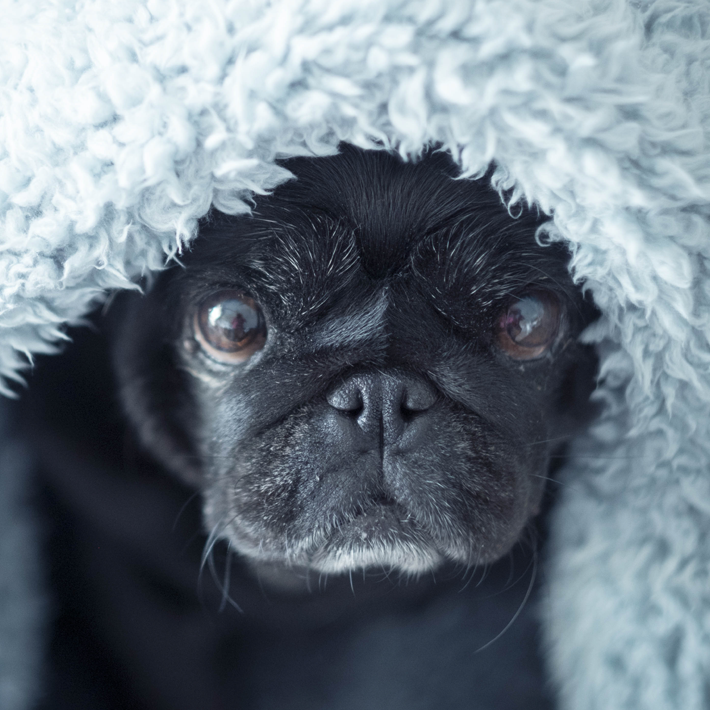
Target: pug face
pixel 370 370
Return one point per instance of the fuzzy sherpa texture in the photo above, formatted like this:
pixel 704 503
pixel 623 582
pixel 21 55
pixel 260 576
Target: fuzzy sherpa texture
pixel 121 123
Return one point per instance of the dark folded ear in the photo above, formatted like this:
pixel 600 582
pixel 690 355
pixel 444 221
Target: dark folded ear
pixel 154 391
pixel 573 408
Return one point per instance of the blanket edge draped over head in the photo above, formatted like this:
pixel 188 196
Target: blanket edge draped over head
pixel 121 124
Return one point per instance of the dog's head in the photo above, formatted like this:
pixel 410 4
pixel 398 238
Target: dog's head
pixel 369 370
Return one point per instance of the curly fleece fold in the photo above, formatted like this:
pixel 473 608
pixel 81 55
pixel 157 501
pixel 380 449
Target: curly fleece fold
pixel 121 123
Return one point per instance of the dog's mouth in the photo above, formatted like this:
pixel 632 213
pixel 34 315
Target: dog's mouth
pixel 396 519
pixel 383 534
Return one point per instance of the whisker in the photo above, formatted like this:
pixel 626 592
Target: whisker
pixel 546 441
pixel 484 574
pixel 595 457
pixel 520 608
pixel 547 478
pixel 227 579
pixel 209 562
pixel 472 568
pixel 184 507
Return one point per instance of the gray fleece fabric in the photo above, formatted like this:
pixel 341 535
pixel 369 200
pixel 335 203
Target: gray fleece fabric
pixel 121 123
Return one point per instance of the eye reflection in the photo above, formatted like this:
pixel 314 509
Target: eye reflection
pixel 235 320
pixel 230 326
pixel 529 325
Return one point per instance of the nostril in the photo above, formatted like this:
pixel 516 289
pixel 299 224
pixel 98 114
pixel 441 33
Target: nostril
pixel 408 414
pixel 347 399
pixel 417 397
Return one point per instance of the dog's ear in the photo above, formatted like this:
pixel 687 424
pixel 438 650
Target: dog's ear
pixel 153 388
pixel 574 408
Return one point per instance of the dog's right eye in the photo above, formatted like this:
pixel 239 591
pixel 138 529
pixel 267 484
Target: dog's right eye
pixel 529 326
pixel 230 326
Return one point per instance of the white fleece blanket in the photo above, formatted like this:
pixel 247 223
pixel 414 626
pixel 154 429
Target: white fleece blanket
pixel 122 122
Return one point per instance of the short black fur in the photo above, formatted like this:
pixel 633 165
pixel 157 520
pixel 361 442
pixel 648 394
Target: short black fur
pixel 382 284
pixel 384 278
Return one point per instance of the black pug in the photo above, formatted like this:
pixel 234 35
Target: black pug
pixel 366 381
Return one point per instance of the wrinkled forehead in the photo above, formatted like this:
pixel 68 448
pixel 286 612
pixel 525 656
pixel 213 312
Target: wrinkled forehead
pixel 369 218
pixel 385 206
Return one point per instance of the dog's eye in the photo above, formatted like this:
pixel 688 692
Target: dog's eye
pixel 529 325
pixel 230 326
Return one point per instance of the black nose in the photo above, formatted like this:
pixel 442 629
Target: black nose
pixel 384 407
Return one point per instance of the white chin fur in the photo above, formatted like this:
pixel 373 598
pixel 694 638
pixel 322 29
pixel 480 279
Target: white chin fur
pixel 409 559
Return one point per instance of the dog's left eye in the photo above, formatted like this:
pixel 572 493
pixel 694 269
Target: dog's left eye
pixel 230 326
pixel 529 325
